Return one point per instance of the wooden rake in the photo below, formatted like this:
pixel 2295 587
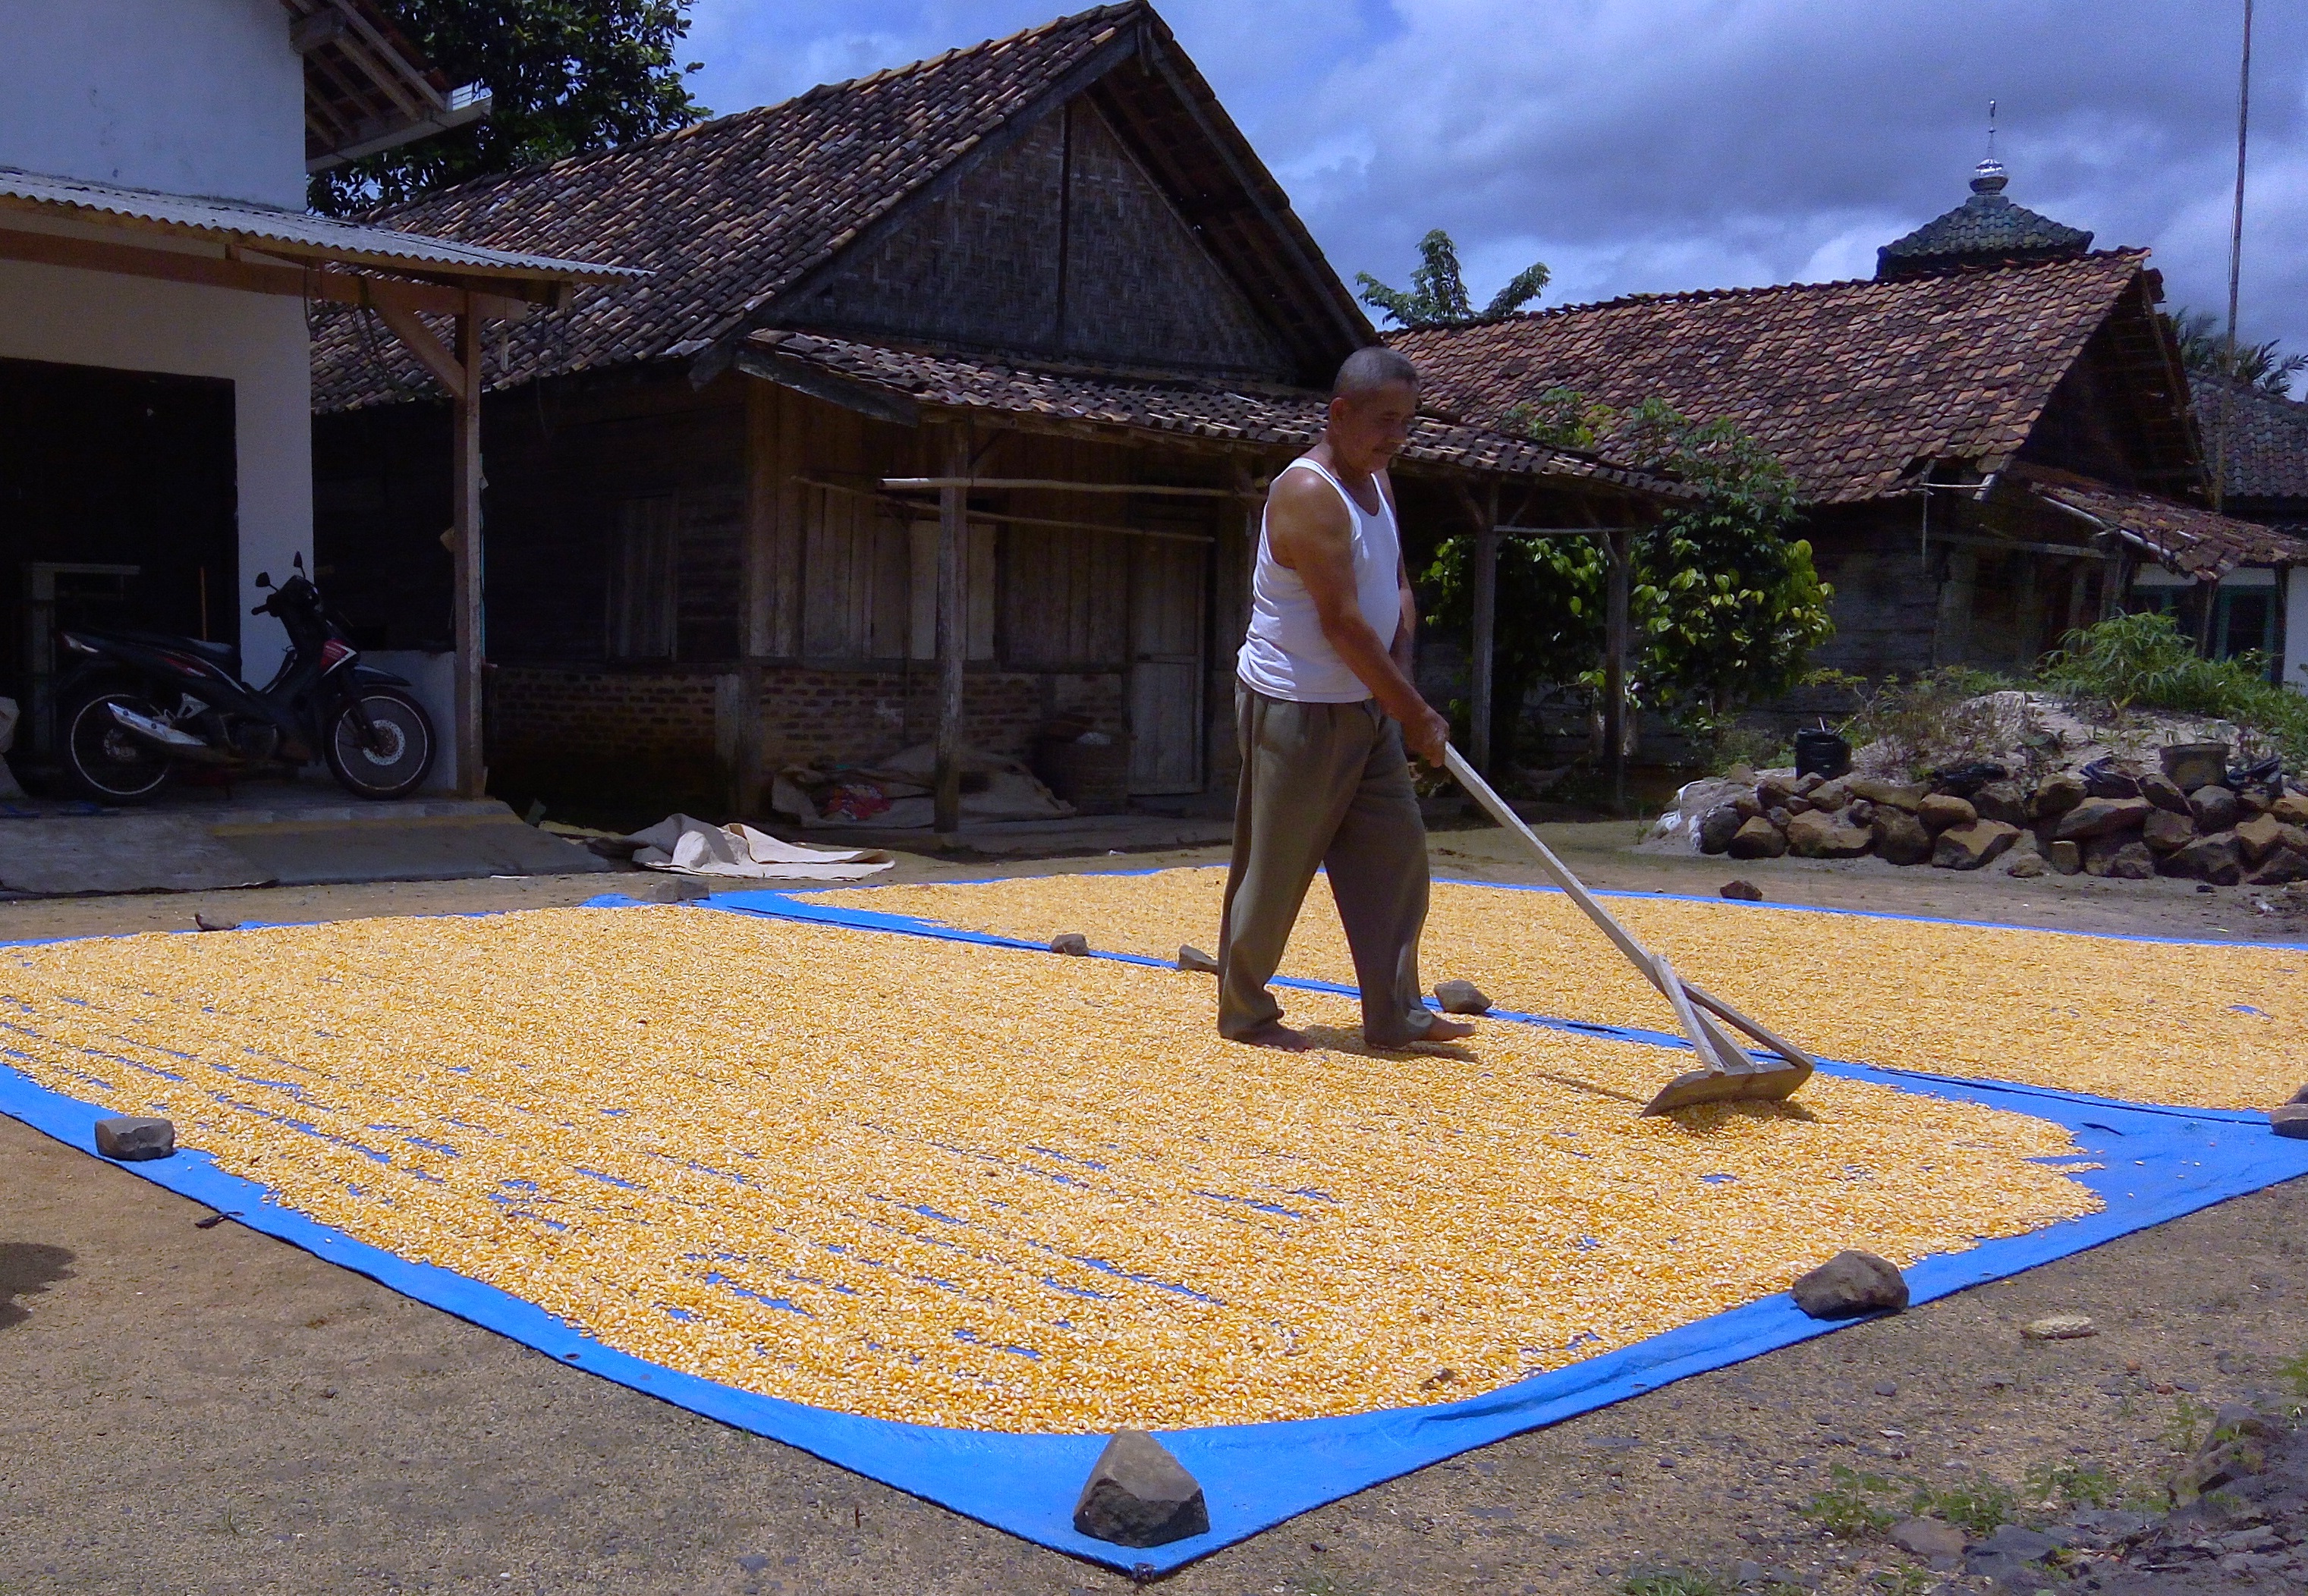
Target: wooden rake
pixel 1727 1072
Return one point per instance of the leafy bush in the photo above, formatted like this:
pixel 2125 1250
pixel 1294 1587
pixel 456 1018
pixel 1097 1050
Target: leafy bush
pixel 2146 662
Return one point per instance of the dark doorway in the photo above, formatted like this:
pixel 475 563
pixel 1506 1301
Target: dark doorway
pixel 118 505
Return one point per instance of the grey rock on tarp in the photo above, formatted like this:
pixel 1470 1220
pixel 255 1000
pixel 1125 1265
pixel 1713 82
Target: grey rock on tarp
pixel 1821 835
pixel 1191 958
pixel 2215 808
pixel 2002 801
pixel 1973 846
pixel 1942 809
pixel 2057 794
pixel 1072 942
pixel 2215 859
pixel 1747 892
pixel 1934 1540
pixel 1899 837
pixel 2166 832
pixel 2102 817
pixel 1138 1495
pixel 2290 1120
pixel 130 1137
pixel 2165 794
pixel 2067 858
pixel 1758 839
pixel 1849 1283
pixel 2193 766
pixel 1717 827
pixel 1462 997
pixel 2299 1096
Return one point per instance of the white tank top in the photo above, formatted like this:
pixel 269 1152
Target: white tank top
pixel 1285 655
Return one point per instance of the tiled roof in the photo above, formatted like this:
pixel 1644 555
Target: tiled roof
pixel 727 213
pixel 2186 537
pixel 1849 384
pixel 1986 229
pixel 1231 413
pixel 2267 453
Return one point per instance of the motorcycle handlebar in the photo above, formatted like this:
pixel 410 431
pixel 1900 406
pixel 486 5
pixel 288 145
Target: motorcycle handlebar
pixel 260 609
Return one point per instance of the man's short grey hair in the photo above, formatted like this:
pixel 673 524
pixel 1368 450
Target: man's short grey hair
pixel 1366 370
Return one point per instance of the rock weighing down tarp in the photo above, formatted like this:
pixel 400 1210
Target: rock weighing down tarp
pixel 2157 1163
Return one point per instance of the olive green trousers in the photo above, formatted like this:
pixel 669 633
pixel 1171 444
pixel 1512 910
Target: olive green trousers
pixel 1324 785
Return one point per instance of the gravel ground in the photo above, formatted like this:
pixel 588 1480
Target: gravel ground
pixel 210 1410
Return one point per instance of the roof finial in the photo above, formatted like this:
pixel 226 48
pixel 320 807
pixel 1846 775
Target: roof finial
pixel 1988 177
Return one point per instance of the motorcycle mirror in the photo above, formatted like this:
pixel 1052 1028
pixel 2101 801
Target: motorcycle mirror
pixel 264 578
pixel 297 560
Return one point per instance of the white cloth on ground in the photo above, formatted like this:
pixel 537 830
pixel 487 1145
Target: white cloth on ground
pixel 685 845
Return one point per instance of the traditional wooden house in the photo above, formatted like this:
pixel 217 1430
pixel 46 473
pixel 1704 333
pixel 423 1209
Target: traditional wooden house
pixel 2257 442
pixel 1991 437
pixel 943 415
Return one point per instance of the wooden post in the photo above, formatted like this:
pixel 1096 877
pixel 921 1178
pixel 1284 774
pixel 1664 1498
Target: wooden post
pixel 953 624
pixel 1615 668
pixel 465 505
pixel 1483 666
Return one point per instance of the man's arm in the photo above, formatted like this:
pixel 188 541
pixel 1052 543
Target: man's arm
pixel 1406 630
pixel 1308 531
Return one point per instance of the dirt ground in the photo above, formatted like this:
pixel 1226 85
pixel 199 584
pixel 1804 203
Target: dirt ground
pixel 194 1410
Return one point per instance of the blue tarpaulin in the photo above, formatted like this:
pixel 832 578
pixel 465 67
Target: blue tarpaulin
pixel 2159 1163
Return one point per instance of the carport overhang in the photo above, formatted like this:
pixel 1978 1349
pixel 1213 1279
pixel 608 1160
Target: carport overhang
pixel 433 294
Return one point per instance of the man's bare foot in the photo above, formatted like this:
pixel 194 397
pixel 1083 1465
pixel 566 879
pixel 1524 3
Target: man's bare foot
pixel 1443 1030
pixel 1274 1033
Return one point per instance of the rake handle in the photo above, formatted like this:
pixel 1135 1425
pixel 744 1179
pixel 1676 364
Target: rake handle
pixel 1701 1027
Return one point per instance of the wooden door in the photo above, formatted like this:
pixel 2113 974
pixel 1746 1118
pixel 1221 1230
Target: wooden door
pixel 1166 581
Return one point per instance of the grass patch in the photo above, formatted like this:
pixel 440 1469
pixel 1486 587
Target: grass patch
pixel 1853 1504
pixel 2073 1485
pixel 1976 1505
pixel 2146 662
pixel 2190 1423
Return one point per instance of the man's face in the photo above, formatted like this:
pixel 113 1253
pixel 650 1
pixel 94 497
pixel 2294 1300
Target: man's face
pixel 1370 429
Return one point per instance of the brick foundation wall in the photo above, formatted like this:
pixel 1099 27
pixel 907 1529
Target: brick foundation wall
pixel 585 714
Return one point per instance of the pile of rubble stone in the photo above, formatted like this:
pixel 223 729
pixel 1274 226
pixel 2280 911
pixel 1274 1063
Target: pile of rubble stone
pixel 2113 818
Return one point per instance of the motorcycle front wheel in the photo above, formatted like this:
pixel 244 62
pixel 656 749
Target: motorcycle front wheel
pixel 395 761
pixel 100 756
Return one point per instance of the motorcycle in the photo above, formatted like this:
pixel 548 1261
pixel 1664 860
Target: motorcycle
pixel 139 706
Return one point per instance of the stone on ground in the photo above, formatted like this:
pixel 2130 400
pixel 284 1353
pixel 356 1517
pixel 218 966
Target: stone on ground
pixel 2103 779
pixel 1072 942
pixel 1191 958
pixel 1942 809
pixel 1973 846
pixel 2215 808
pixel 1758 839
pixel 2120 857
pixel 1138 1495
pixel 2281 869
pixel 2290 1120
pixel 2061 1326
pixel 2167 831
pixel 2102 817
pixel 1747 892
pixel 1717 827
pixel 2164 792
pixel 1899 837
pixel 1934 1540
pixel 1462 997
pixel 2002 801
pixel 2214 859
pixel 1821 835
pixel 2057 794
pixel 2292 809
pixel 1832 796
pixel 2028 866
pixel 130 1137
pixel 1849 1283
pixel 2066 857
pixel 2264 834
pixel 1884 795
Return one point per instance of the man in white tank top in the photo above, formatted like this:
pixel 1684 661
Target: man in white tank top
pixel 1325 708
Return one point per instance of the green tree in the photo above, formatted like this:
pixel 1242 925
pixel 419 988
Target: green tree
pixel 2203 350
pixel 1438 292
pixel 564 76
pixel 1723 603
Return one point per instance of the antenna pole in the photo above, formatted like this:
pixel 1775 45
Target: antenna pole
pixel 2236 269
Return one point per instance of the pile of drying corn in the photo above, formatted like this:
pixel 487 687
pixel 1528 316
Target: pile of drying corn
pixel 962 1185
pixel 2199 1025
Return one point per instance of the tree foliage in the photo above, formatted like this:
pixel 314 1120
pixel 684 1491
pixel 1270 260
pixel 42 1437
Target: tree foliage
pixel 2203 350
pixel 564 76
pixel 1437 296
pixel 1724 604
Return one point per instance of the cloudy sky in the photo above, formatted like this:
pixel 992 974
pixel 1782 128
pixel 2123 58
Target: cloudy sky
pixel 1640 145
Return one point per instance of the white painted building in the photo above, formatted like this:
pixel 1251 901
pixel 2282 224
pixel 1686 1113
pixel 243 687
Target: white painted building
pixel 155 266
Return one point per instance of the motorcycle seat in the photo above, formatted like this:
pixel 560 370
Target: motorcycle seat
pixel 227 654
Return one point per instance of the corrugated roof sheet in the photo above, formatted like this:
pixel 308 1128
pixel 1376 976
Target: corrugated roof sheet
pixel 1848 384
pixel 289 233
pixel 1231 413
